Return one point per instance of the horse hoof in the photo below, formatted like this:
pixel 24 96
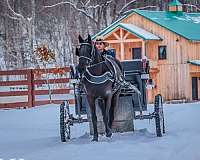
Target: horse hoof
pixel 109 134
pixel 95 140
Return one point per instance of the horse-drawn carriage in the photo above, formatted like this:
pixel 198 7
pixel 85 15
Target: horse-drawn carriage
pixel 132 95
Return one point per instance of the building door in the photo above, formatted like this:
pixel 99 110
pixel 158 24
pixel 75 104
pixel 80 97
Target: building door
pixel 194 88
pixel 136 53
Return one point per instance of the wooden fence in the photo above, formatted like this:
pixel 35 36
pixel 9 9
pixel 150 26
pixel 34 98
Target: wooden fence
pixel 32 78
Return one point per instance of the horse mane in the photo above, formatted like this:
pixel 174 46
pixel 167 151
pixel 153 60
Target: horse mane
pixel 97 56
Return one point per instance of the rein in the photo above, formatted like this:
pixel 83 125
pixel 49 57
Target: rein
pixel 107 76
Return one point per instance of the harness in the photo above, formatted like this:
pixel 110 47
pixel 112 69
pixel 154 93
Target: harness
pixel 107 76
pixel 110 75
pixel 92 53
pixel 113 67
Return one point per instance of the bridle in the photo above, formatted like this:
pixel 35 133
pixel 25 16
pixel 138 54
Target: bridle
pixel 91 60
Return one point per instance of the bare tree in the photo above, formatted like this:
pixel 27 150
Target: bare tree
pixel 26 23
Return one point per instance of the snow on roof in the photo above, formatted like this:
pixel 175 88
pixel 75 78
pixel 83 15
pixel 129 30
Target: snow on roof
pixel 184 24
pixel 189 19
pixel 194 62
pixel 139 31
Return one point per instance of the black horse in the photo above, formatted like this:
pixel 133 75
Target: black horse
pixel 100 77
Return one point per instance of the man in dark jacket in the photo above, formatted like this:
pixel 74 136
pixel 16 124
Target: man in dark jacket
pixel 101 47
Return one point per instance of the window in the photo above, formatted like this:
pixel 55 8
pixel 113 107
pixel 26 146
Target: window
pixel 136 53
pixel 162 52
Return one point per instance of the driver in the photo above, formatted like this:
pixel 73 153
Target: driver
pixel 101 47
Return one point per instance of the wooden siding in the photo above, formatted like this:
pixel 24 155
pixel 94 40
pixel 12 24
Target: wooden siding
pixel 173 80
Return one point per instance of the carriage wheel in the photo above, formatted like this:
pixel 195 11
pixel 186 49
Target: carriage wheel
pixel 64 122
pixel 159 115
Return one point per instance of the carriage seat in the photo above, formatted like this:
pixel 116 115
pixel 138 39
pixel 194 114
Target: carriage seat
pixel 132 69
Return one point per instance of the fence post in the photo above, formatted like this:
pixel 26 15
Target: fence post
pixel 30 79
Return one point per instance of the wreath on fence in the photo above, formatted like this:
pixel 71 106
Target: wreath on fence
pixel 45 54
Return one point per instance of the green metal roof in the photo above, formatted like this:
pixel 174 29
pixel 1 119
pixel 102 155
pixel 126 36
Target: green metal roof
pixel 175 3
pixel 194 62
pixel 186 25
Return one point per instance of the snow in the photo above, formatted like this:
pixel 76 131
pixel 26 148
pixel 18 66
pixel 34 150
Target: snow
pixel 2 61
pixel 197 62
pixel 191 19
pixel 33 134
pixel 139 31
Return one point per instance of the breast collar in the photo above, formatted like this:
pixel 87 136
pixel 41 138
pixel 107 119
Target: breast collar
pixel 89 77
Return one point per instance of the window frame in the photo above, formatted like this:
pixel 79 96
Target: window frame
pixel 162 56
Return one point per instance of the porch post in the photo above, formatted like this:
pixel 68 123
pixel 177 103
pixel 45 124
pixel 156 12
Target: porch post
pixel 143 48
pixel 121 44
pixel 122 50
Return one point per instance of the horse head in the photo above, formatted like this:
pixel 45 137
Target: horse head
pixel 86 53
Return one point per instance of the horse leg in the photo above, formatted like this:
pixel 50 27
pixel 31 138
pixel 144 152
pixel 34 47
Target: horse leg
pixel 114 104
pixel 103 110
pixel 91 101
pixel 107 119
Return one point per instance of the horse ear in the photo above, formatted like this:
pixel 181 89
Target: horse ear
pixel 89 39
pixel 80 39
pixel 77 52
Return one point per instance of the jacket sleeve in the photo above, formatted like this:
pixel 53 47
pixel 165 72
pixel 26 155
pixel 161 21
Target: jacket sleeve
pixel 110 53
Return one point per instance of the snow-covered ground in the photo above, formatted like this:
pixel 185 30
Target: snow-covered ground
pixel 33 134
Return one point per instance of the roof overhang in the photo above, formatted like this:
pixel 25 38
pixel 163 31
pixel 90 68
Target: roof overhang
pixel 137 31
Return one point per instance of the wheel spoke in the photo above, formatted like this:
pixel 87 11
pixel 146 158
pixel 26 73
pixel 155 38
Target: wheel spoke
pixel 64 122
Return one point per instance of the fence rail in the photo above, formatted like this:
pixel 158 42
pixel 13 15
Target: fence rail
pixel 32 79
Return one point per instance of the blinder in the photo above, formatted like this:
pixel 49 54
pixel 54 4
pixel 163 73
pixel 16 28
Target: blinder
pixel 89 60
